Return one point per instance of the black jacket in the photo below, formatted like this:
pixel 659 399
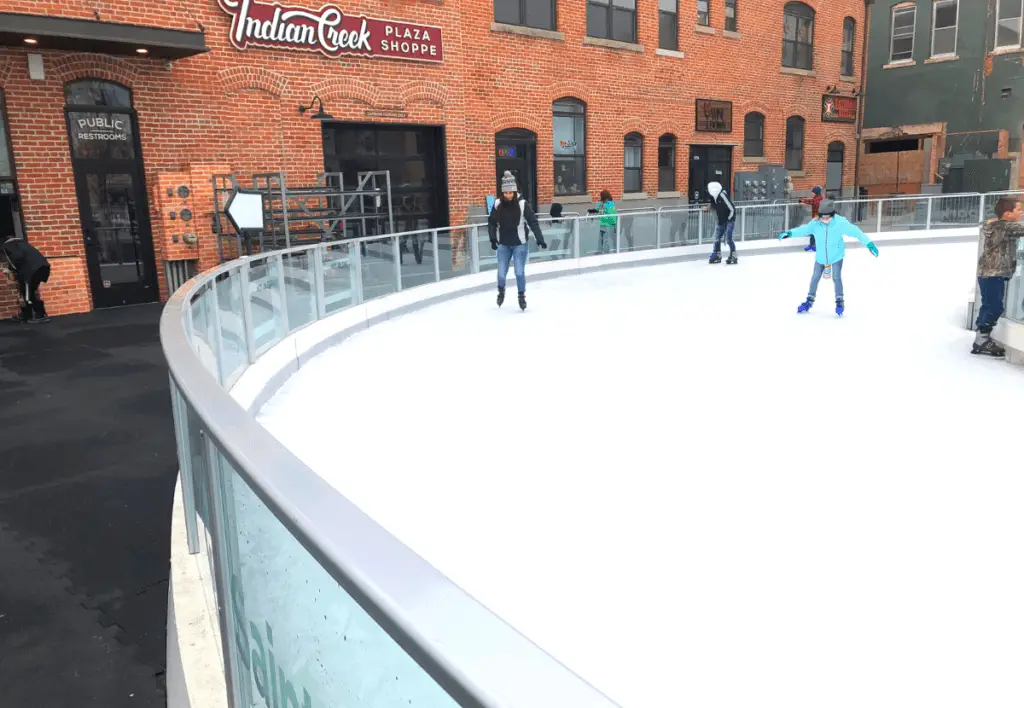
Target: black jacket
pixel 723 206
pixel 24 259
pixel 508 221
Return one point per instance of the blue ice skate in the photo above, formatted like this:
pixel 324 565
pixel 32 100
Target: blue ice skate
pixel 809 247
pixel 805 306
pixel 839 306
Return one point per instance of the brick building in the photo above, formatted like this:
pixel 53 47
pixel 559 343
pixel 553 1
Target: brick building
pixel 107 108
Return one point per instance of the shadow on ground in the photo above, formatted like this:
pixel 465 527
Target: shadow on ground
pixel 87 472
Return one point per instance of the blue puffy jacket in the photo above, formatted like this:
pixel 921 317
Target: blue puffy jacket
pixel 829 238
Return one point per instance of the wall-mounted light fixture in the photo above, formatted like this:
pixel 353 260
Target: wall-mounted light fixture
pixel 321 114
pixel 31 40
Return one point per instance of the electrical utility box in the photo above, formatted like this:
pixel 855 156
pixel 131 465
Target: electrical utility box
pixel 768 184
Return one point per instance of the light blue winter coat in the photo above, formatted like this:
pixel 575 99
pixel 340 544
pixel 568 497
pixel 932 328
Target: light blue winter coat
pixel 828 238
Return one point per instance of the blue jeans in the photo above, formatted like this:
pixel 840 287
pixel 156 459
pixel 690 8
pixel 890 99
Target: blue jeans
pixel 992 290
pixel 725 230
pixel 837 278
pixel 517 254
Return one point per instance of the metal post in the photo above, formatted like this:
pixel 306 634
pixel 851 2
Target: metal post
pixel 474 250
pixel 216 344
pixel 878 219
pixel 981 209
pixel 928 214
pixel 250 341
pixel 743 223
pixel 283 297
pixel 618 234
pixel 657 230
pixel 188 492
pixel 437 259
pixel 576 237
pixel 355 268
pixel 397 247
pixel 700 226
pixel 317 254
pixel 785 217
pixel 284 211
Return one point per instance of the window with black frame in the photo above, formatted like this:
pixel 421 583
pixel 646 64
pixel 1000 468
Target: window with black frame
pixel 704 13
pixel 667 163
pixel 668 24
pixel 753 135
pixel 539 14
pixel 633 164
pixel 797 36
pixel 849 30
pixel 795 144
pixel 10 206
pixel 569 122
pixel 612 19
pixel 730 16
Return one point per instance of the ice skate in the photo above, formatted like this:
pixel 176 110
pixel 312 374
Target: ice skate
pixel 501 296
pixel 522 301
pixel 716 257
pixel 805 306
pixel 732 259
pixel 984 345
pixel 809 247
pixel 839 306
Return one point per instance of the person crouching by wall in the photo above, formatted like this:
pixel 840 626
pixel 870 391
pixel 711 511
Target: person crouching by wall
pixel 995 266
pixel 30 269
pixel 507 227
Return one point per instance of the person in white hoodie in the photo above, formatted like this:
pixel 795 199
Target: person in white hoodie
pixel 726 222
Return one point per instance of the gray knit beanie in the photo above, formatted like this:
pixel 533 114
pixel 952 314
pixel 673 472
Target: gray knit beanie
pixel 827 207
pixel 508 183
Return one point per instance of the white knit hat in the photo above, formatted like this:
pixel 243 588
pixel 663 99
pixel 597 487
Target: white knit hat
pixel 508 182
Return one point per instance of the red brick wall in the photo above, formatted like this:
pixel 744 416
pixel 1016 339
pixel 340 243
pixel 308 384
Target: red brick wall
pixel 240 108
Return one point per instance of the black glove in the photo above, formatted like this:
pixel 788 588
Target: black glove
pixel 542 243
pixel 494 245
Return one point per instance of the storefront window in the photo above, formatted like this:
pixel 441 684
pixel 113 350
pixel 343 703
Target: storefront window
pixel 10 205
pixel 569 118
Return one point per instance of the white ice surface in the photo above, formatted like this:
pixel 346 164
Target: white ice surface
pixel 692 496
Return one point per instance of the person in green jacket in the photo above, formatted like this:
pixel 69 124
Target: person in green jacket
pixel 608 222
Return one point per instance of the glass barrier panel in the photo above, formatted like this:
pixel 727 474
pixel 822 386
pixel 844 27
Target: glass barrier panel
pixel 1015 288
pixel 708 225
pixel 265 302
pixel 558 234
pixel 859 213
pixel 453 247
pixel 904 214
pixel 761 222
pixel 340 276
pixel 417 258
pixel 299 287
pixel 638 231
pixel 234 357
pixel 203 334
pixel 298 639
pixel 378 275
pixel 597 234
pixel 955 211
pixel 673 227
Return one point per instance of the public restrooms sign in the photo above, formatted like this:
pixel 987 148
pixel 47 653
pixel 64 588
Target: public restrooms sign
pixel 329 31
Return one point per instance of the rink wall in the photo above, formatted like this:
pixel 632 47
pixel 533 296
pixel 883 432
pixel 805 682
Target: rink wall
pixel 196 674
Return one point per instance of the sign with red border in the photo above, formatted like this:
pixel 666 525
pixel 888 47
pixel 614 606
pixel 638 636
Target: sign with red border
pixel 838 109
pixel 330 32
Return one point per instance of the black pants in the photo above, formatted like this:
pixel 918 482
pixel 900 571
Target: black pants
pixel 29 289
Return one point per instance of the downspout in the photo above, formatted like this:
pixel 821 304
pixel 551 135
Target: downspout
pixel 861 95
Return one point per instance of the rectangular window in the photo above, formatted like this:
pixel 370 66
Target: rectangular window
pixel 703 13
pixel 667 164
pixel 730 16
pixel 944 14
pixel 539 14
pixel 1008 14
pixel 798 37
pixel 633 167
pixel 668 24
pixel 901 46
pixel 848 37
pixel 612 19
pixel 570 132
pixel 753 135
pixel 11 223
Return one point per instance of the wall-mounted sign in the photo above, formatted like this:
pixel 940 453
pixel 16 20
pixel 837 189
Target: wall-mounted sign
pixel 838 109
pixel 385 113
pixel 329 31
pixel 96 135
pixel 99 126
pixel 506 151
pixel 713 116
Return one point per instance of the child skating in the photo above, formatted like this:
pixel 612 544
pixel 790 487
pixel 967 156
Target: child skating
pixel 829 231
pixel 726 212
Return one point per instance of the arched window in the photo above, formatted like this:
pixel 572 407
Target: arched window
pixel 633 167
pixel 849 30
pixel 795 143
pixel 834 168
pixel 98 93
pixel 667 163
pixel 753 135
pixel 798 36
pixel 569 121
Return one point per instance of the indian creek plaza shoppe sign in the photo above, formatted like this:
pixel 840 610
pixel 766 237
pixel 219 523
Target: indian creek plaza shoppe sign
pixel 330 32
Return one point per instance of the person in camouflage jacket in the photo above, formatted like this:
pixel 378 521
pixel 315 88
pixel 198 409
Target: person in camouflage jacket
pixel 998 260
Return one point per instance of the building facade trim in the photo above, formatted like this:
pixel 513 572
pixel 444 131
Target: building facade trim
pixel 239 78
pixel 99 66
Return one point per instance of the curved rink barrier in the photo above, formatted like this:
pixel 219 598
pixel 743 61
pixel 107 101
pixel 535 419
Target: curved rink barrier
pixel 317 603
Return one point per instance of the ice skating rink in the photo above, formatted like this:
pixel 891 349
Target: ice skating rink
pixel 691 495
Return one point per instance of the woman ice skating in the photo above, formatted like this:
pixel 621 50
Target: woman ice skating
pixel 813 202
pixel 999 238
pixel 726 222
pixel 828 260
pixel 507 226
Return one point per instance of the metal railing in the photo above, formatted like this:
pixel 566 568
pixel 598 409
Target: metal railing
pixel 303 575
